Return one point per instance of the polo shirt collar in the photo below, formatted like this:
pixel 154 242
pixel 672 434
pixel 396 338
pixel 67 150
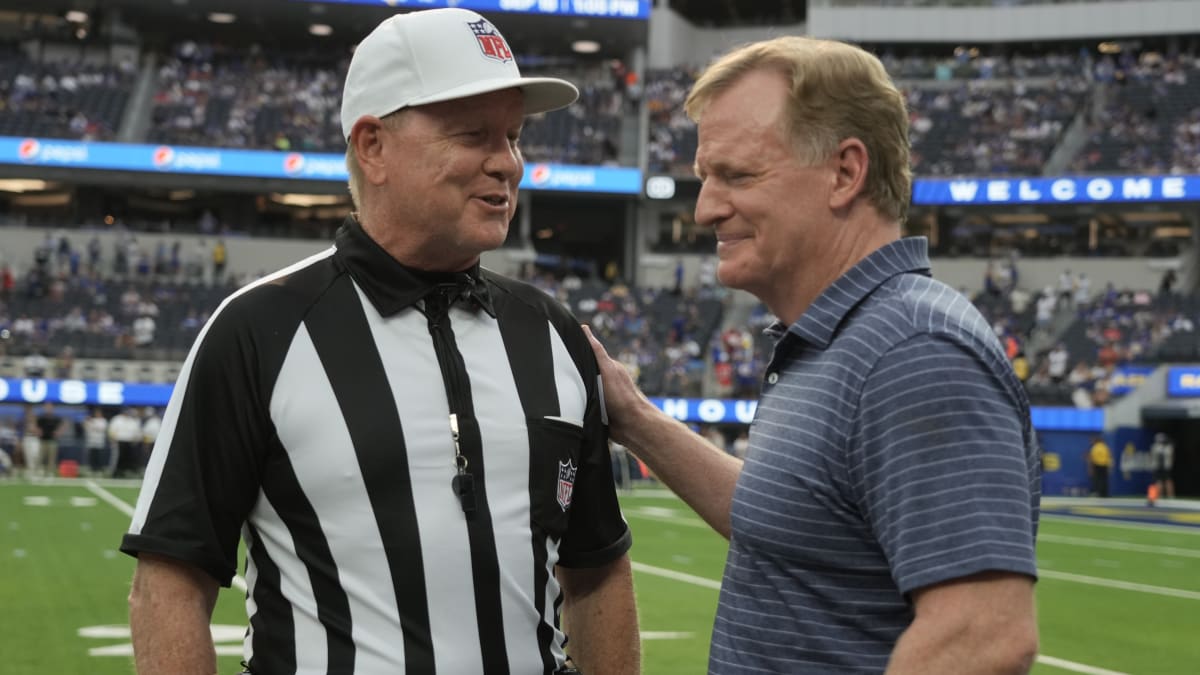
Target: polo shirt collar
pixel 393 287
pixel 821 320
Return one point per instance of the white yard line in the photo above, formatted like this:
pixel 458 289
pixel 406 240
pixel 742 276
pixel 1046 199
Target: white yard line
pixel 1126 525
pixel 1119 545
pixel 1123 585
pixel 677 576
pixel 127 509
pixel 674 520
pixel 109 497
pixel 1075 667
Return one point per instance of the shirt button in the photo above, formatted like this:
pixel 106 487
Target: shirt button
pixel 772 378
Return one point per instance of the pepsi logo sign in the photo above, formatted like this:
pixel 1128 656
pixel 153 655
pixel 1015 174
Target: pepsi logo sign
pixel 540 174
pixel 293 163
pixel 28 149
pixel 163 155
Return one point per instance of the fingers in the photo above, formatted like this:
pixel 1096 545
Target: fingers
pixel 596 346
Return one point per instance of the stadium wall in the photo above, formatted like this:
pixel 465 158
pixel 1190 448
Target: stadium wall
pixel 958 25
pixel 674 41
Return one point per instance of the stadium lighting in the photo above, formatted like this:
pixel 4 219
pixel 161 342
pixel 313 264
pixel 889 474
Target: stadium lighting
pixel 585 46
pixel 22 185
pixel 1109 48
pixel 306 200
pixel 76 16
pixel 320 29
pixel 221 17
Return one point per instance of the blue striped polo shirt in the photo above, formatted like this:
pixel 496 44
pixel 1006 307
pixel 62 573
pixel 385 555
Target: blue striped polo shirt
pixel 891 450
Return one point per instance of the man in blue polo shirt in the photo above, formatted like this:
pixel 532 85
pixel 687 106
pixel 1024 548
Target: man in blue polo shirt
pixel 885 513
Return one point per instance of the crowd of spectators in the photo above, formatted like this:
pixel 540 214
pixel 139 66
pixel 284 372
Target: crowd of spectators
pixel 672 141
pixel 247 98
pixel 662 336
pixel 1151 120
pixel 130 302
pixel 970 114
pixel 990 128
pixel 588 132
pixel 78 99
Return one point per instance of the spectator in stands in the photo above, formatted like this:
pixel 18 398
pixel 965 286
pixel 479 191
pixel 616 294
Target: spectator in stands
pixel 1167 284
pixel 95 441
pixel 31 444
pixel 36 365
pixel 49 426
pixel 1099 463
pixel 1058 358
pixel 10 443
pixel 433 109
pixel 125 434
pixel 1162 452
pixel 863 333
pixel 219 261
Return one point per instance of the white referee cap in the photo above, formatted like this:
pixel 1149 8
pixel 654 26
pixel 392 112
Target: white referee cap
pixel 438 55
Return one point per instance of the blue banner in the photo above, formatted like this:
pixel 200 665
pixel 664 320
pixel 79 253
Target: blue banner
pixel 1125 379
pixel 730 411
pixel 270 164
pixel 1183 382
pixel 697 410
pixel 79 392
pixel 615 9
pixel 1064 190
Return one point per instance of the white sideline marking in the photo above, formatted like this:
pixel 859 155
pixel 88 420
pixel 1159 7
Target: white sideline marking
pixel 121 506
pixel 663 515
pixel 677 576
pixel 1126 525
pixel 1123 585
pixel 666 635
pixel 109 497
pixel 1119 545
pixel 1075 667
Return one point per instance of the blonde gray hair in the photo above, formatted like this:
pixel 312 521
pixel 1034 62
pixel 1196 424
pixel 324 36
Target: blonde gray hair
pixel 837 91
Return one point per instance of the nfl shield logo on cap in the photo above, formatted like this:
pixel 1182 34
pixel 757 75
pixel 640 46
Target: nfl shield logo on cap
pixel 566 483
pixel 491 42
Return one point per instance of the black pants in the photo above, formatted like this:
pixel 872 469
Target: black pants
pixel 129 458
pixel 1100 481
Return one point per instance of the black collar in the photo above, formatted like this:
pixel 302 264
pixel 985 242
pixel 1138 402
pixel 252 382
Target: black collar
pixel 391 286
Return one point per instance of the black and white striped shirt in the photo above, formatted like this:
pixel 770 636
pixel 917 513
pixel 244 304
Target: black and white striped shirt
pixel 313 417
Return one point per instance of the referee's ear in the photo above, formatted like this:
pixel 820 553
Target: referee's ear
pixel 367 137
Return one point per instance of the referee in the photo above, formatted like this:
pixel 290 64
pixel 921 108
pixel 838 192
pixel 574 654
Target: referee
pixel 410 446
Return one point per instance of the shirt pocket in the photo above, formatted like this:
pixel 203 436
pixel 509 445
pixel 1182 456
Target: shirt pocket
pixel 556 446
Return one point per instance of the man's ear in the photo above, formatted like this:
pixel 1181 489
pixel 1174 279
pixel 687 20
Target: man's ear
pixel 367 138
pixel 850 163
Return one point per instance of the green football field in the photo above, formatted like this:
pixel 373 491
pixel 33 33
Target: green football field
pixel 1115 596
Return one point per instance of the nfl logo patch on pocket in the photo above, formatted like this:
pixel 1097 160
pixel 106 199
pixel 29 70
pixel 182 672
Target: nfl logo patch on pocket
pixel 566 483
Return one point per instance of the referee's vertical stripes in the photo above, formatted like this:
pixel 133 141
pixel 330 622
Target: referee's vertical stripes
pixel 485 565
pixel 360 385
pixel 333 605
pixel 272 614
pixel 526 339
